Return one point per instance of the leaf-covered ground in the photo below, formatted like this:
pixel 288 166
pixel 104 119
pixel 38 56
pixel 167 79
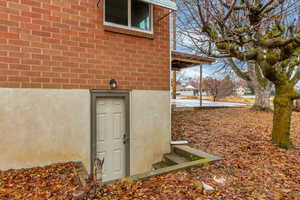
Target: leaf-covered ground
pixel 51 182
pixel 253 168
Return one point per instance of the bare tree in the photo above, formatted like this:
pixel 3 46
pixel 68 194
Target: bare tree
pixel 263 33
pixel 218 88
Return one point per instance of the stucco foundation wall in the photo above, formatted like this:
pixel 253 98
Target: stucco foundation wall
pixel 43 126
pixel 150 128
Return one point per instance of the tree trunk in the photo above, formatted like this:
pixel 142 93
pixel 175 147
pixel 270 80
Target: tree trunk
pixel 214 98
pixel 262 98
pixel 297 105
pixel 261 86
pixel 283 106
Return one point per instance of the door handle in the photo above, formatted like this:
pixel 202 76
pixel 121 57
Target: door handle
pixel 125 138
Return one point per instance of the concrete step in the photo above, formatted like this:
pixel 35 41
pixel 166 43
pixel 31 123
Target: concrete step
pixel 173 158
pixel 161 164
pixel 192 154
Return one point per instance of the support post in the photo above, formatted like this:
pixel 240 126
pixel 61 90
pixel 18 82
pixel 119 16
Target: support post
pixel 200 84
pixel 174 83
pixel 174 30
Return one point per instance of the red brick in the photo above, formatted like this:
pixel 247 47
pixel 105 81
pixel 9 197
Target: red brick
pixel 60 69
pixel 3 78
pixel 31 50
pixel 36 3
pixel 71 11
pixel 18 6
pixel 60 80
pixel 10 84
pixel 70 86
pixel 51 85
pixel 50 29
pixel 3 16
pixel 41 33
pixel 3 66
pixel 7 22
pixel 18 78
pixel 3 4
pixel 9 60
pixel 40 80
pixel 19 67
pixel 18 42
pixel 63 44
pixel 19 54
pixel 3 53
pixel 19 18
pixel 40 10
pixel 9 11
pixel 31 61
pixel 31 85
pixel 50 74
pixel 41 68
pixel 31 14
pixel 40 57
pixel 31 26
pixel 51 18
pixel 9 72
pixel 51 7
pixel 31 73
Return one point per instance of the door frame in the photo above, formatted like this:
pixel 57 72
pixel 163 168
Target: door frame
pixel 95 94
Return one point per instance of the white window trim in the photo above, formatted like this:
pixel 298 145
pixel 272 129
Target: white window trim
pixel 129 27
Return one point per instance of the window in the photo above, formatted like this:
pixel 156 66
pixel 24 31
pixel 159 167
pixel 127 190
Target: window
pixel 116 11
pixel 130 14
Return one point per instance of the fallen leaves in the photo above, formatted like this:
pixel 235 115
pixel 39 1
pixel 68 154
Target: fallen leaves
pixel 253 167
pixel 180 185
pixel 51 182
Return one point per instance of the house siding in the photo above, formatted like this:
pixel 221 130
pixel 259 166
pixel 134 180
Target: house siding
pixel 63 44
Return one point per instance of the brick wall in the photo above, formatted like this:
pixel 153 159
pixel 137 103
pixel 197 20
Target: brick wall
pixel 63 44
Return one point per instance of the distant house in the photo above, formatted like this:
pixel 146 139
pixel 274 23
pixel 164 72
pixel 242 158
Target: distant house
pixel 189 87
pixel 240 91
pixel 179 87
pixel 80 81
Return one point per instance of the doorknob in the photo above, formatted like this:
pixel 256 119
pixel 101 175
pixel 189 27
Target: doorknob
pixel 125 138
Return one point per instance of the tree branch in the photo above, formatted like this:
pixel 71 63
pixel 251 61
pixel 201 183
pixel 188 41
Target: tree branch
pixel 234 52
pixel 259 76
pixel 296 96
pixel 276 43
pixel 237 70
pixel 230 11
pixel 234 8
pixel 296 77
pixel 266 5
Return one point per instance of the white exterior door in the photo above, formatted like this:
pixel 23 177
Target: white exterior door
pixel 111 130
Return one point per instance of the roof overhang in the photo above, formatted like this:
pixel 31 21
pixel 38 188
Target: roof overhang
pixel 182 60
pixel 163 3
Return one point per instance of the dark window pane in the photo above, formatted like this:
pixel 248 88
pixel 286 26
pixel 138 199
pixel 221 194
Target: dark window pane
pixel 140 15
pixel 116 11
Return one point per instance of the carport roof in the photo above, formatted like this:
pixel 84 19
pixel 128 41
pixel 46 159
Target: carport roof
pixel 182 60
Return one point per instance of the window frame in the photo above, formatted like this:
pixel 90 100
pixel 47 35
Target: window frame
pixel 130 27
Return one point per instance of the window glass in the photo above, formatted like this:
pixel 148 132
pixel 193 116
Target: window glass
pixel 140 15
pixel 116 11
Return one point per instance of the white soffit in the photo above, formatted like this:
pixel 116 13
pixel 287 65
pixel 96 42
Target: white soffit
pixel 163 3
